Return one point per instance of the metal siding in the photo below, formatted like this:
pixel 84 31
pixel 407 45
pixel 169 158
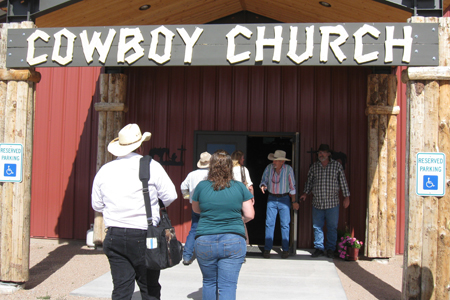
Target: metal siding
pixel 401 159
pixel 64 152
pixel 324 104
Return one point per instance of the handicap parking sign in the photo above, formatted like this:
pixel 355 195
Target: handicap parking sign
pixel 430 182
pixel 11 166
pixel 430 176
pixel 10 170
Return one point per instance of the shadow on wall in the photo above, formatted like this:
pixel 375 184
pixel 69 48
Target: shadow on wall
pixel 76 213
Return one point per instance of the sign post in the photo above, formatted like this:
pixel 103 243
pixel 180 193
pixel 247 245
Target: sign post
pixel 430 177
pixel 11 162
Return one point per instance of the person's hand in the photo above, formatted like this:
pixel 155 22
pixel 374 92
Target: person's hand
pixel 263 189
pixel 295 206
pixel 346 202
pixel 303 197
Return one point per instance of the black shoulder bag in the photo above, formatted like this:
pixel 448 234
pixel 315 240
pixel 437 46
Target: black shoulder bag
pixel 163 249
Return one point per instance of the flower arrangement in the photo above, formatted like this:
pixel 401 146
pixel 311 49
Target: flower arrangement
pixel 346 242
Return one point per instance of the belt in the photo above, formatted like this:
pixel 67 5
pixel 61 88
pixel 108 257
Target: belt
pixel 125 230
pixel 278 195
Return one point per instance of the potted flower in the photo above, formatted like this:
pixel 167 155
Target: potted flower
pixel 348 247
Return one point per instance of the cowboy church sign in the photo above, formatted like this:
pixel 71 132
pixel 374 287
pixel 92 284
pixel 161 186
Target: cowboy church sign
pixel 347 44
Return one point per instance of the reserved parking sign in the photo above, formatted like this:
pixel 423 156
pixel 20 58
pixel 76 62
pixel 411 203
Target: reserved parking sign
pixel 430 178
pixel 11 162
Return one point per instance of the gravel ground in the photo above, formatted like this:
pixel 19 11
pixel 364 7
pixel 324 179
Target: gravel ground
pixel 59 267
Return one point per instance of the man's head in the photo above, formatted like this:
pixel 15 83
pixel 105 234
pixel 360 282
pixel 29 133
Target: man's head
pixel 324 152
pixel 279 158
pixel 203 162
pixel 130 138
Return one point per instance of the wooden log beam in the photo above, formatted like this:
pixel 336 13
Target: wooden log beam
pixel 101 106
pixel 426 73
pixel 17 90
pixel 20 75
pixel 442 277
pixel 382 110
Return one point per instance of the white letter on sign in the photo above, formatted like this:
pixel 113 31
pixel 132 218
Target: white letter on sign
pixel 38 34
pixel 125 46
pixel 276 42
pixel 57 47
pixel 293 45
pixel 406 42
pixel 334 45
pixel 96 43
pixel 167 48
pixel 231 48
pixel 358 56
pixel 189 42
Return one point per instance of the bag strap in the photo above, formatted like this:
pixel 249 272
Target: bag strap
pixel 144 176
pixel 244 179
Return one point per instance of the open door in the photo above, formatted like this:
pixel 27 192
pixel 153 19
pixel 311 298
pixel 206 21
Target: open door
pixel 256 147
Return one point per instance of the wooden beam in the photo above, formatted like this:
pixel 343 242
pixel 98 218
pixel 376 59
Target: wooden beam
pixel 426 73
pixel 382 110
pixel 20 75
pixel 100 106
pixel 442 277
pixel 17 121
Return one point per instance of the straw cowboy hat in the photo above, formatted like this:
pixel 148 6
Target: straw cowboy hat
pixel 278 155
pixel 204 160
pixel 130 138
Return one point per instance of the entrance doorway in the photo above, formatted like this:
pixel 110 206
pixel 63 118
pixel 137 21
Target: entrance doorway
pixel 256 147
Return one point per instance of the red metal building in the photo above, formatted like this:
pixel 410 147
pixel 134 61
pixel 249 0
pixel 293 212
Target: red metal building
pixel 322 104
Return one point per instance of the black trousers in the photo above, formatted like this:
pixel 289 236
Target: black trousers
pixel 125 249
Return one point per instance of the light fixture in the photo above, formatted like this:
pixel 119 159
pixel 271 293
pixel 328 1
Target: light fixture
pixel 326 4
pixel 145 7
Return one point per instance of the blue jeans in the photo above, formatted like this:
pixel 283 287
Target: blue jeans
pixel 331 216
pixel 190 240
pixel 276 206
pixel 220 258
pixel 125 249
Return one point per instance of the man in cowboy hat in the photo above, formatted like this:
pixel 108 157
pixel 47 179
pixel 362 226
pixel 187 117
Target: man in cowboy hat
pixel 188 188
pixel 278 179
pixel 325 177
pixel 117 193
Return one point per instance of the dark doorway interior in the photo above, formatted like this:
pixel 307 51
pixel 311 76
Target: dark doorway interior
pixel 258 148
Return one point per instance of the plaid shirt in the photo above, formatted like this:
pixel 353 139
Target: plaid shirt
pixel 324 184
pixel 279 184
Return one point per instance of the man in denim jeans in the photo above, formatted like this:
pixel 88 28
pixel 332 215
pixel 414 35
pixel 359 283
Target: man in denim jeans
pixel 325 177
pixel 187 189
pixel 279 181
pixel 117 193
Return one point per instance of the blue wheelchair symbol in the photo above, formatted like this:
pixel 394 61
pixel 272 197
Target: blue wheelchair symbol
pixel 10 170
pixel 430 182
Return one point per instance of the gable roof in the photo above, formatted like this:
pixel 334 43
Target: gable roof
pixel 120 13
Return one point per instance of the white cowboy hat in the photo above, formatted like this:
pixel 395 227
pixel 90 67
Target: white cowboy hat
pixel 130 138
pixel 204 160
pixel 278 155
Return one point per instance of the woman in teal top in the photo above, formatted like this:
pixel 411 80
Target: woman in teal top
pixel 220 241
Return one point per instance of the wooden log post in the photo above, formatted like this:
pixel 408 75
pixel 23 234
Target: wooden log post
pixel 111 109
pixel 16 127
pixel 443 221
pixel 426 272
pixel 382 168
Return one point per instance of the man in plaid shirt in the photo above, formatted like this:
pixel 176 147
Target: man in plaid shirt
pixel 325 177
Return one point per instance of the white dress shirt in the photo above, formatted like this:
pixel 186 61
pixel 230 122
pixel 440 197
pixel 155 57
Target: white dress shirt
pixel 117 192
pixel 191 181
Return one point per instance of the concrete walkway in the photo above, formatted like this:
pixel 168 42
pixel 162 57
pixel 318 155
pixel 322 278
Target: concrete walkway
pixel 298 277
